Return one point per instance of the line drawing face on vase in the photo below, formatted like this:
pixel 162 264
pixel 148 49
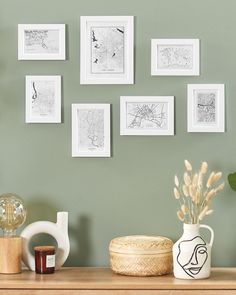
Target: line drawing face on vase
pixel 107 49
pixel 206 106
pixel 42 41
pixel 43 98
pixel 147 115
pixel 90 129
pixel 175 57
pixel 192 255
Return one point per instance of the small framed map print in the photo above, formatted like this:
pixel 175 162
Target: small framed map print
pixel 91 130
pixel 43 99
pixel 106 50
pixel 41 42
pixel 147 115
pixel 175 57
pixel 206 108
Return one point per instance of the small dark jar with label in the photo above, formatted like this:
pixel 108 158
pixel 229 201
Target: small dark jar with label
pixel 44 259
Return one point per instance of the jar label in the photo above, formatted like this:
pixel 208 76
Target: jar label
pixel 50 261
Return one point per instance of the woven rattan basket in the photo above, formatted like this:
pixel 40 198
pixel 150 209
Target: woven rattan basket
pixel 141 255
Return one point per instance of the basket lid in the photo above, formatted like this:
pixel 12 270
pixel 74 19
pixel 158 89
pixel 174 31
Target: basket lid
pixel 141 245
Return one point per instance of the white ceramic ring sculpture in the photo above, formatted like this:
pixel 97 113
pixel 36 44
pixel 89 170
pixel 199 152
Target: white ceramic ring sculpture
pixel 58 230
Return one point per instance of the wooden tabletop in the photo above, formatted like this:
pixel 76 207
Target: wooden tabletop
pixel 82 278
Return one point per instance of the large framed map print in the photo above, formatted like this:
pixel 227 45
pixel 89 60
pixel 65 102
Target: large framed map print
pixel 106 52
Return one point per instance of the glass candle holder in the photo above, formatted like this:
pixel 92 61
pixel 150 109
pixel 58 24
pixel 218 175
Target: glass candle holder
pixel 44 259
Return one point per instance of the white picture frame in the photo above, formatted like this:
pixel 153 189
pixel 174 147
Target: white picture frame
pixel 175 57
pixel 106 50
pixel 135 112
pixel 43 99
pixel 41 42
pixel 91 130
pixel 206 108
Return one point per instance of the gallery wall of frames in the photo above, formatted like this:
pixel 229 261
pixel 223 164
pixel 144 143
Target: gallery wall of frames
pixel 107 57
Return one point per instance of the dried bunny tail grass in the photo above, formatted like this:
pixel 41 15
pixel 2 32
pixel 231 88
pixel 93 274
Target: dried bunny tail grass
pixel 217 176
pixel 192 192
pixel 203 213
pixel 185 190
pixel 199 182
pixel 210 195
pixel 176 181
pixel 187 179
pixel 195 180
pixel 180 215
pixel 197 197
pixel 184 209
pixel 220 187
pixel 204 168
pixel 205 193
pixel 210 180
pixel 196 193
pixel 176 193
pixel 188 166
pixel 209 212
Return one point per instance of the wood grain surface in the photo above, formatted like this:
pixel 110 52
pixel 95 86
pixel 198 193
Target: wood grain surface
pixel 105 279
pixel 10 255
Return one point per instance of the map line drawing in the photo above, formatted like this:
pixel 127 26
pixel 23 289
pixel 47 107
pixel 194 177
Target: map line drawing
pixel 175 56
pixel 107 49
pixel 43 98
pixel 206 107
pixel 91 129
pixel 147 115
pixel 41 41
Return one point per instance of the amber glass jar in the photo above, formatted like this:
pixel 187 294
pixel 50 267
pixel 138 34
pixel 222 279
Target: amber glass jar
pixel 44 259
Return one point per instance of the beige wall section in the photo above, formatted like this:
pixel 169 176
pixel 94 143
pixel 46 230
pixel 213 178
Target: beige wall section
pixel 130 193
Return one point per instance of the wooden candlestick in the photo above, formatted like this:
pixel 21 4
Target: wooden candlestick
pixel 10 255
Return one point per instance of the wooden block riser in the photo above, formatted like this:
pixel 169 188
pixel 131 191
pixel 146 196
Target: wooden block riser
pixel 10 255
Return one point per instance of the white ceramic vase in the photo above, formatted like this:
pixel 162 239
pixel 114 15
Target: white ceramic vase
pixel 192 254
pixel 58 230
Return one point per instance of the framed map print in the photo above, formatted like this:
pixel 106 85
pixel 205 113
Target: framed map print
pixel 147 115
pixel 41 42
pixel 175 57
pixel 106 50
pixel 91 130
pixel 43 99
pixel 206 108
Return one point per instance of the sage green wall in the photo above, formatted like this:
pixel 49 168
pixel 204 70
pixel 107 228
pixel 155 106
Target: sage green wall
pixel 131 192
